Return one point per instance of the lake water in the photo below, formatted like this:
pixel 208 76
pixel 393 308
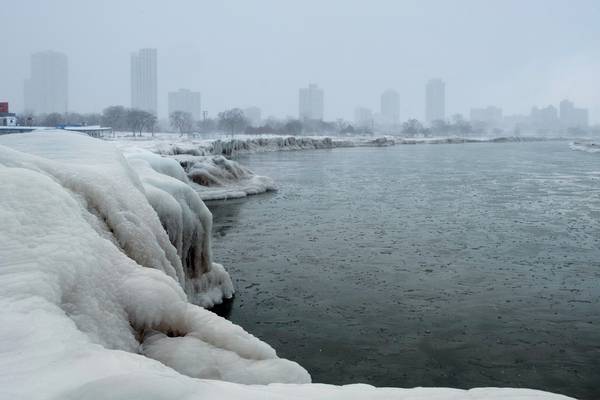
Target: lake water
pixel 429 265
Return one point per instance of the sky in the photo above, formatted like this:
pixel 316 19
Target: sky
pixel 240 53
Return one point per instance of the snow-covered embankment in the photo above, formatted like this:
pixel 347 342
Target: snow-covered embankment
pixel 99 259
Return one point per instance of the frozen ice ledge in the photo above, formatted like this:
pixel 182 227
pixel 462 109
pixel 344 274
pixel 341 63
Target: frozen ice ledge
pixel 105 263
pixel 169 144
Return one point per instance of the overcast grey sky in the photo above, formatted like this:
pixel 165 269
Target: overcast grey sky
pixel 240 53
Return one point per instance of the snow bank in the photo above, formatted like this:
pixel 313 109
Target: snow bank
pixel 590 147
pixel 81 242
pixel 91 300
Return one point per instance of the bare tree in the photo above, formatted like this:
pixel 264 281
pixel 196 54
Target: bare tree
pixel 182 121
pixel 53 119
pixel 138 120
pixel 115 117
pixel 413 127
pixel 149 123
pixel 28 119
pixel 206 125
pixel 232 121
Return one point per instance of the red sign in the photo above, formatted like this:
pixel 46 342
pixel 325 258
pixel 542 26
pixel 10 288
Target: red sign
pixel 3 107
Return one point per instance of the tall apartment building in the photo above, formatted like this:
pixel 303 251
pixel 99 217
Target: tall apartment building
pixel 390 106
pixel 573 117
pixel 186 101
pixel 435 100
pixel 47 89
pixel 144 81
pixel 310 103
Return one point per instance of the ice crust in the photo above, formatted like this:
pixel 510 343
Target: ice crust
pixel 95 256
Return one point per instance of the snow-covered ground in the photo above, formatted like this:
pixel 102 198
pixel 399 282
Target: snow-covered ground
pixel 101 257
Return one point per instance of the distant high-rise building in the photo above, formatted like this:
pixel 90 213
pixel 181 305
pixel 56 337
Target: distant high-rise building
pixel 186 101
pixel 144 81
pixel 544 118
pixel 47 89
pixel 390 106
pixel 363 117
pixel 572 117
pixel 311 103
pixel 253 115
pixel 435 100
pixel 491 115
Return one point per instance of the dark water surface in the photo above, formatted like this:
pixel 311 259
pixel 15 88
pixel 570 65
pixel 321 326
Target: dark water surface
pixel 430 265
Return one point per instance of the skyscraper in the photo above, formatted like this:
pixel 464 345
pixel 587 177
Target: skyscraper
pixel 311 103
pixel 572 117
pixel 363 117
pixel 186 101
pixel 490 115
pixel 435 100
pixel 47 89
pixel 390 106
pixel 144 80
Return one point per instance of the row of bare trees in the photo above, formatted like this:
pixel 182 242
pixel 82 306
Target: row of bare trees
pixel 231 121
pixel 129 119
pixel 234 121
pixel 117 117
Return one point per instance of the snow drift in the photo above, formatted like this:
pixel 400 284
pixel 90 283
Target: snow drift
pixel 95 254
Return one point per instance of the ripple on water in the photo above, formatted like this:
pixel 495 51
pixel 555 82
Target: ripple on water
pixel 446 265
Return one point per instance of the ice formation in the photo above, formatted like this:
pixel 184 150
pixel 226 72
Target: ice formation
pixel 92 304
pixel 590 147
pixel 216 177
pixel 82 242
pixel 169 144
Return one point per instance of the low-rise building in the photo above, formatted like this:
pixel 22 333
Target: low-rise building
pixel 7 118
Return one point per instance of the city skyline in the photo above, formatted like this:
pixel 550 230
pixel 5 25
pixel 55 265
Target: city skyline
pixel 144 95
pixel 353 55
pixel 49 80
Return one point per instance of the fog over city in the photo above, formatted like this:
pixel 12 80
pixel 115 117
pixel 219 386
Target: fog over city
pixel 511 54
pixel 300 199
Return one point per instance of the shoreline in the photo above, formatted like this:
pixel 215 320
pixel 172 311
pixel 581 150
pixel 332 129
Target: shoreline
pixel 215 173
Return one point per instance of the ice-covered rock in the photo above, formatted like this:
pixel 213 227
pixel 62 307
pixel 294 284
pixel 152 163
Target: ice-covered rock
pixel 216 177
pixel 188 222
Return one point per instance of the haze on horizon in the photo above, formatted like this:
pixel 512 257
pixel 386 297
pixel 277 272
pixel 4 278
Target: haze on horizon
pixel 508 53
